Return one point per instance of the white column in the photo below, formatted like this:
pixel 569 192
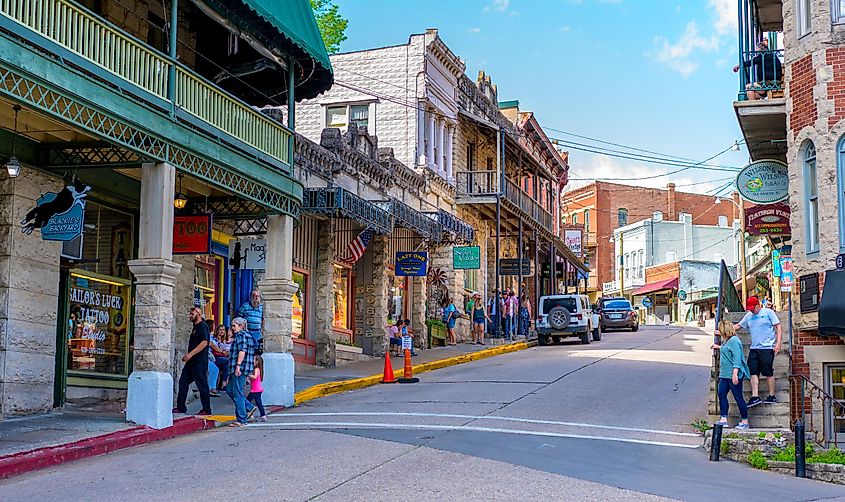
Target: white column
pixel 429 137
pixel 149 395
pixel 420 137
pixel 450 138
pixel 441 131
pixel 277 290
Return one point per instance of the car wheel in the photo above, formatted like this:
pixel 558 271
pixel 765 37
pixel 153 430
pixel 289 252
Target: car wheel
pixel 635 328
pixel 585 338
pixel 556 340
pixel 559 318
pixel 597 334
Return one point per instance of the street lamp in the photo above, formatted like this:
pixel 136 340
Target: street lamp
pixel 742 265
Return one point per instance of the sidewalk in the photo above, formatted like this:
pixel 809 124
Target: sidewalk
pixel 39 441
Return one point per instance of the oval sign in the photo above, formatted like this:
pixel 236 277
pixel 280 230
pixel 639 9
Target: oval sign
pixel 763 182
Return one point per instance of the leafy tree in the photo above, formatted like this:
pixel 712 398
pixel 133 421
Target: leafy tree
pixel 332 25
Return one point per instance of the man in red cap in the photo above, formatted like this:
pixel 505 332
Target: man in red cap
pixel 766 335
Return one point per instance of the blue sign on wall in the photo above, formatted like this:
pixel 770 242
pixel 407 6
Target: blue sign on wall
pixel 411 263
pixel 59 216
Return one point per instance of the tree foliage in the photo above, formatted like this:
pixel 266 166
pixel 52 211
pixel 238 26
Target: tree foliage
pixel 332 25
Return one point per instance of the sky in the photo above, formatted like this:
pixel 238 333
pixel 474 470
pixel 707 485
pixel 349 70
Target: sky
pixel 651 74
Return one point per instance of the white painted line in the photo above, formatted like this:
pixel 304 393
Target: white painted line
pixel 376 425
pixel 482 417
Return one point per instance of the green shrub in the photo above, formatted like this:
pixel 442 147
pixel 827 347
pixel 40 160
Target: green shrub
pixel 701 425
pixel 732 435
pixel 757 460
pixel 787 454
pixel 725 448
pixel 761 435
pixel 778 435
pixel 831 456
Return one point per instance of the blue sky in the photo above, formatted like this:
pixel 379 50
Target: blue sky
pixel 652 74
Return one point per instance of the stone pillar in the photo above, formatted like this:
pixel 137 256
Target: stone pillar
pixel 450 137
pixel 440 167
pixel 277 290
pixel 149 395
pixel 418 298
pixel 29 297
pixel 420 137
pixel 381 281
pixel 429 141
pixel 323 306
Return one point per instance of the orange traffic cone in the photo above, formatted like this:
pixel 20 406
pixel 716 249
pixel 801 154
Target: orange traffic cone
pixel 388 370
pixel 408 377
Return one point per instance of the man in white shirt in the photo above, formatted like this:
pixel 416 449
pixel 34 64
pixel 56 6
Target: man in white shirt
pixel 766 337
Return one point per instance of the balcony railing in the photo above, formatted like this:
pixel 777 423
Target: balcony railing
pixel 760 72
pixel 110 49
pixel 528 205
pixel 486 184
pixel 478 183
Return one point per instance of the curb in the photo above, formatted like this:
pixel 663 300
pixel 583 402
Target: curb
pixel 49 456
pixel 327 389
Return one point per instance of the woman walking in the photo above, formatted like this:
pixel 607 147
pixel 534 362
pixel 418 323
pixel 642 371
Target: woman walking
pixel 732 370
pixel 479 316
pixel 524 317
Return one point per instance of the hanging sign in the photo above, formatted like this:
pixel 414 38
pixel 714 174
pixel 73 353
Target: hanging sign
pixel 60 216
pixel 768 219
pixel 510 266
pixel 192 234
pixel 682 295
pixel 763 182
pixel 466 258
pixel 411 263
pixel 572 238
pixel 247 254
pixel 786 278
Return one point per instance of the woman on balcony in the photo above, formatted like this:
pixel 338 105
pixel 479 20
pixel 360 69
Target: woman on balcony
pixel 767 72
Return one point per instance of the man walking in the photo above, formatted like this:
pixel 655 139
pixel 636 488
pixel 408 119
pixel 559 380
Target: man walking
pixel 241 364
pixel 196 365
pixel 253 312
pixel 766 335
pixel 494 311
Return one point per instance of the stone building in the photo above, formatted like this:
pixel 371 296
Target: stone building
pixel 800 121
pixel 133 156
pixel 470 156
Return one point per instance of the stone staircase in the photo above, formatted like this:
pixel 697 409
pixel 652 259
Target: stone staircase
pixel 769 416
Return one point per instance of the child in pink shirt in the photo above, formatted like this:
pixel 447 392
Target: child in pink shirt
pixel 256 387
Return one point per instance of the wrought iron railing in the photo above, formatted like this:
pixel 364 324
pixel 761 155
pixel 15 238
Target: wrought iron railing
pixel 527 205
pixel 341 203
pixel 819 411
pixel 760 72
pixel 407 217
pixel 462 231
pixel 728 299
pixel 477 183
pixel 107 47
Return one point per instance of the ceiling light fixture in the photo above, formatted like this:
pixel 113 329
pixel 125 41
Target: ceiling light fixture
pixel 180 200
pixel 13 165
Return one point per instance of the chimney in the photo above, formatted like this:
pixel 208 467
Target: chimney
pixel 670 202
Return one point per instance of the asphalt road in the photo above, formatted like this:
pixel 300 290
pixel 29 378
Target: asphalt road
pixel 607 421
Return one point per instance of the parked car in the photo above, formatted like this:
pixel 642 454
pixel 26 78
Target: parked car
pixel 562 316
pixel 617 313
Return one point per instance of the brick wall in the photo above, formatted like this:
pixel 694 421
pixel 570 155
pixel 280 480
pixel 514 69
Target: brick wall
pixel 836 87
pixel 800 89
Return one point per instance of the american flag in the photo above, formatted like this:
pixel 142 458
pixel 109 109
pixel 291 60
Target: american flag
pixel 356 248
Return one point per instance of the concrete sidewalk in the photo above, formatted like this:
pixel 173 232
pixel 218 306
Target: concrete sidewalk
pixel 77 428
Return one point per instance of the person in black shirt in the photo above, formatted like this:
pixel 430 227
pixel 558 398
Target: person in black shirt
pixel 766 72
pixel 196 365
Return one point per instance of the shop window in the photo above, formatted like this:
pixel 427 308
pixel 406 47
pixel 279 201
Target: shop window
pixel 803 17
pixel 471 280
pixel 396 300
pixel 340 298
pixel 835 417
pixel 621 217
pixel 208 290
pixel 840 183
pixel 811 198
pixel 299 303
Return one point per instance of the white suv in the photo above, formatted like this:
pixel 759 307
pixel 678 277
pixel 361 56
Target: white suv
pixel 562 316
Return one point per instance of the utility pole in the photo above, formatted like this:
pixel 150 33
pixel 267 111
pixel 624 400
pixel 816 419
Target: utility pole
pixel 622 264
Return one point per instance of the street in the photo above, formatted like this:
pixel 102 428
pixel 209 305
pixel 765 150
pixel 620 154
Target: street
pixel 606 421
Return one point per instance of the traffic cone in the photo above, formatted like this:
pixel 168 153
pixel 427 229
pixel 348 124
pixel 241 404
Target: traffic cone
pixel 388 370
pixel 408 377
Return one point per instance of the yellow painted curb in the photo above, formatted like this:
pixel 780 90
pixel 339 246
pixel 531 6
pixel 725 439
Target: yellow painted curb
pixel 327 389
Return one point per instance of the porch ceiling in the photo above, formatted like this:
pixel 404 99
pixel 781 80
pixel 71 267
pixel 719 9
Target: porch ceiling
pixel 770 14
pixel 763 124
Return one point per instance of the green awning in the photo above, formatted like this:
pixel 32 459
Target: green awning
pixel 290 26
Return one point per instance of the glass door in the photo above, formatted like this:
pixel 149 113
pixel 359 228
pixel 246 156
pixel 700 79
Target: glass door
pixel 835 415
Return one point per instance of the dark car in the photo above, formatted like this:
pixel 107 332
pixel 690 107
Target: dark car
pixel 617 313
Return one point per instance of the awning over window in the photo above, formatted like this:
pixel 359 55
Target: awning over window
pixel 831 307
pixel 339 203
pixel 290 26
pixel 654 287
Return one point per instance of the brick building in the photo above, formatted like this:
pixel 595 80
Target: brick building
pixel 601 207
pixel 800 122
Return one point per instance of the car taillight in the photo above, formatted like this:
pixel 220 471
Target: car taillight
pixel 578 316
pixel 632 314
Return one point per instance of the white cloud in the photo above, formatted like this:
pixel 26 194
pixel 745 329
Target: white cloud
pixel 565 29
pixel 680 55
pixel 585 165
pixel 726 15
pixel 474 30
pixel 498 5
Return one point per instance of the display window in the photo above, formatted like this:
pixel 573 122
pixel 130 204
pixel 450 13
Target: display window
pixel 97 324
pixel 396 302
pixel 340 298
pixel 300 299
pixel 208 292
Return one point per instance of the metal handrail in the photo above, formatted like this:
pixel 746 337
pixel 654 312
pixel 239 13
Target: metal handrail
pixel 111 49
pixel 761 71
pixel 478 183
pixel 810 393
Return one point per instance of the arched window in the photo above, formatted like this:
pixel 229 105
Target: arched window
pixel 811 197
pixel 621 217
pixel 723 220
pixel 840 183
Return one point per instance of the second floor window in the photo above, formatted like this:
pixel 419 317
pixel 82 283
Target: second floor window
pixel 811 197
pixel 341 116
pixel 622 217
pixel 587 219
pixel 574 219
pixel 837 11
pixel 802 17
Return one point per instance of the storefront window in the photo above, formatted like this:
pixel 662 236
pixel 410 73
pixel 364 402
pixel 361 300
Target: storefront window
pixel 207 291
pixel 340 296
pixel 98 324
pixel 299 299
pixel 396 301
